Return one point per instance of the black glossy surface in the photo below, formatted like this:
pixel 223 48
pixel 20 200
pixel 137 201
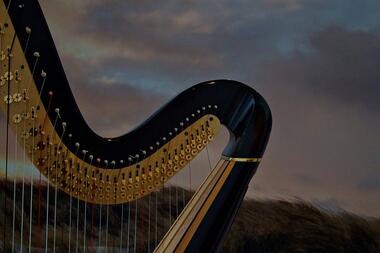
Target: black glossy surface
pixel 240 108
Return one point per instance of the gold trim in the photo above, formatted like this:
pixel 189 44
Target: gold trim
pixel 184 242
pixel 242 159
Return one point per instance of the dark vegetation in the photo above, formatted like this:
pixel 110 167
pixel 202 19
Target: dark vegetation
pixel 260 226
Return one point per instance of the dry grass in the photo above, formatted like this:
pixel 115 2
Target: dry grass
pixel 260 226
pixel 281 226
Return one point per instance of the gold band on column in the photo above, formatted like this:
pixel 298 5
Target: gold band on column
pixel 242 159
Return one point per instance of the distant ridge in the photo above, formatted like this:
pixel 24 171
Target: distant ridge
pixel 260 226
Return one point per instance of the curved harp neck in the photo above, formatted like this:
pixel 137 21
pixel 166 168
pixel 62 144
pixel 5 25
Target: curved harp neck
pixel 111 170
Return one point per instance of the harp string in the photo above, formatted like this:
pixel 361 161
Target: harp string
pixel 92 226
pixel 72 167
pixel 163 193
pixel 176 201
pixel 99 215
pixel 156 219
pixel 15 186
pixel 48 152
pixel 129 225
pixel 85 210
pixel 23 193
pixel 149 225
pixel 78 206
pixel 14 196
pixel 129 213
pixel 31 194
pixel 135 227
pixel 107 218
pixel 15 173
pixel 48 149
pixel 8 102
pixel 34 150
pixel 142 217
pixel 135 213
pixel 40 147
pixel 56 185
pixel 38 239
pixel 121 228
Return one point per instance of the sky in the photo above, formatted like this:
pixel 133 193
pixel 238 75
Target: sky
pixel 316 62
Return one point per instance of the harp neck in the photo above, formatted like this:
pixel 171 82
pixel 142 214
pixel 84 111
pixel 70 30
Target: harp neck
pixel 108 171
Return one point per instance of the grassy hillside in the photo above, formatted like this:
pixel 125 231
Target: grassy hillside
pixel 280 226
pixel 260 226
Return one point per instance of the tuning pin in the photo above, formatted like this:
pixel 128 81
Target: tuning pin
pixel 181 123
pixel 98 160
pixel 36 54
pixel 17 97
pixel 17 118
pixel 203 108
pixel 84 151
pixel 137 156
pixel 170 133
pixel 64 125
pixel 121 161
pixel 176 129
pixel 91 157
pixel 151 148
pixel 164 139
pixel 157 143
pixel 113 162
pixel 50 93
pixel 8 76
pixel 187 119
pixel 209 106
pixel 193 115
pixel 143 152
pixel 28 30
pixel 77 144
pixel 43 73
pixel 129 159
pixel 70 135
pixel 8 99
pixel 215 106
pixel 56 110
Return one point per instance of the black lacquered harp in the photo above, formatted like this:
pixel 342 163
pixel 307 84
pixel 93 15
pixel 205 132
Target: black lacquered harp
pixel 90 172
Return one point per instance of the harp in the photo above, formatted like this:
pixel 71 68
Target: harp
pixel 90 170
